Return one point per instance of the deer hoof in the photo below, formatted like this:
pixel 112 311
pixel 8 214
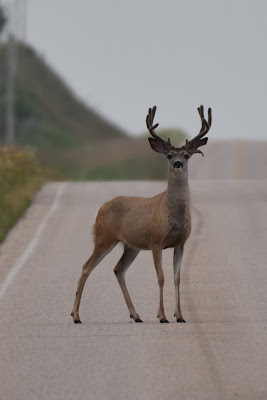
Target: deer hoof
pixel 77 321
pixel 138 320
pixel 163 321
pixel 180 320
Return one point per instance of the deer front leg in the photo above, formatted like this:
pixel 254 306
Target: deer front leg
pixel 177 260
pixel 157 256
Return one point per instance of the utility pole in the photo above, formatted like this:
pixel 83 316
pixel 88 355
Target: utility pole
pixel 10 89
pixel 11 74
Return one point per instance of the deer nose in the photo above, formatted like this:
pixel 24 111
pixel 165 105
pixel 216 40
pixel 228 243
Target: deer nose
pixel 178 164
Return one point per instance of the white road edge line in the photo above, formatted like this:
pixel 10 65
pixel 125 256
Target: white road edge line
pixel 25 255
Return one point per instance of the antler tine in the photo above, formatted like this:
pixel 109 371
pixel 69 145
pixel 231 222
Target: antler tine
pixel 153 112
pixel 209 117
pixel 149 122
pixel 201 114
pixel 205 127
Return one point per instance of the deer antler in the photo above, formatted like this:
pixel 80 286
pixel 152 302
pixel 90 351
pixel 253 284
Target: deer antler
pixel 158 144
pixel 192 146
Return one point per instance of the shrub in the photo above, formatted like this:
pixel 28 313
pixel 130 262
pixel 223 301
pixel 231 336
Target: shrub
pixel 20 178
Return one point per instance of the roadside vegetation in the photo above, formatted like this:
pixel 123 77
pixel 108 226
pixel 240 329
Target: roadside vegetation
pixel 20 178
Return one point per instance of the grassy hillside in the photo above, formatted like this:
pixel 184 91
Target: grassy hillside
pixel 47 113
pixel 66 134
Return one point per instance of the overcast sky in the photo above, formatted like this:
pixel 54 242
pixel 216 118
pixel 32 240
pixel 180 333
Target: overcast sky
pixel 123 56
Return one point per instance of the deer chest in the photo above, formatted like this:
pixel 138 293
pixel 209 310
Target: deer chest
pixel 179 226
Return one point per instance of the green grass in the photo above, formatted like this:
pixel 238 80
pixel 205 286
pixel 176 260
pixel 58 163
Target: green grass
pixel 20 178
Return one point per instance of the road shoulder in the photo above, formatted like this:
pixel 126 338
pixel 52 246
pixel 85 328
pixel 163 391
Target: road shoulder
pixel 22 233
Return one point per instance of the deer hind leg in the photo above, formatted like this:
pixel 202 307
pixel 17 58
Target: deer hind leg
pixel 124 263
pixel 100 251
pixel 177 260
pixel 157 255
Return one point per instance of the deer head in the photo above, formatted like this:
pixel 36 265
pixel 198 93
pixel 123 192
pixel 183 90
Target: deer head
pixel 178 156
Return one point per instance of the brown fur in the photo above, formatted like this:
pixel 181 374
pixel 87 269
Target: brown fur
pixel 141 222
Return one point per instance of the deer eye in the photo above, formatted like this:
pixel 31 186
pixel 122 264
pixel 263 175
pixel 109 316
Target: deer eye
pixel 169 156
pixel 186 156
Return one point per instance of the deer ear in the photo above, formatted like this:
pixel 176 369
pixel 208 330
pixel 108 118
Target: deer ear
pixel 157 146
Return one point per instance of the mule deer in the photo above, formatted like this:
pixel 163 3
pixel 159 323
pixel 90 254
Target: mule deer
pixel 153 223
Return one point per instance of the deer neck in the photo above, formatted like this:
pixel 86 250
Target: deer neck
pixel 178 194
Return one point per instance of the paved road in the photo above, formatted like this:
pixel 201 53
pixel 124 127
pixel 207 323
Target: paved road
pixel 219 354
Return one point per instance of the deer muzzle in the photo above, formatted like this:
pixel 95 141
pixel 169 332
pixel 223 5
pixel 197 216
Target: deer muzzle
pixel 178 164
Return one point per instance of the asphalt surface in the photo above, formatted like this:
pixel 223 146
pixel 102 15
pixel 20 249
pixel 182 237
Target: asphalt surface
pixel 220 353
